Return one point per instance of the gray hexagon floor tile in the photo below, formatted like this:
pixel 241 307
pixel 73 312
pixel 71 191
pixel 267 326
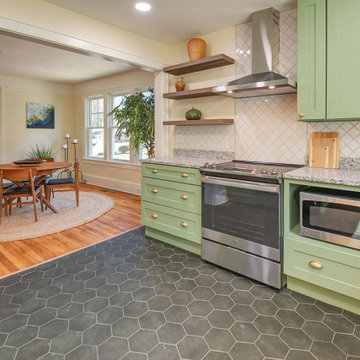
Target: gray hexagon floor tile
pixel 134 298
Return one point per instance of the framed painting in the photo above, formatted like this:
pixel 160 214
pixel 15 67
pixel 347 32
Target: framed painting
pixel 40 116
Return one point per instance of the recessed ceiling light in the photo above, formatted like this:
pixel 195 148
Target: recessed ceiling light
pixel 142 6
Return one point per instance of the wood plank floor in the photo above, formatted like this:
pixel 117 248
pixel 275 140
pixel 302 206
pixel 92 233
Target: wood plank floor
pixel 124 216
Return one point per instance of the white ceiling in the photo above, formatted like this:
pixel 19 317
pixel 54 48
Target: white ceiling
pixel 33 60
pixel 171 21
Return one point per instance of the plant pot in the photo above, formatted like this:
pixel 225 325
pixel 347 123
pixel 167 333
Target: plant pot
pixel 196 48
pixel 47 159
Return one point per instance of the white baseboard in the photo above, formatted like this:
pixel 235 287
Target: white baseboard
pixel 114 184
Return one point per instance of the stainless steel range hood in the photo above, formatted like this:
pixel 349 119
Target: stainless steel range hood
pixel 265 57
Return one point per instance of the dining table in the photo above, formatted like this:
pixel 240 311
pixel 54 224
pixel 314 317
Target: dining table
pixel 42 170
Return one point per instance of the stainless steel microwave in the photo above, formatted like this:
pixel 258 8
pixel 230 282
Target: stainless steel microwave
pixel 331 216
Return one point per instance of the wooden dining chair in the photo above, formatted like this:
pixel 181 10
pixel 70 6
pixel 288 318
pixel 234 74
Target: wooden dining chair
pixel 65 184
pixel 8 195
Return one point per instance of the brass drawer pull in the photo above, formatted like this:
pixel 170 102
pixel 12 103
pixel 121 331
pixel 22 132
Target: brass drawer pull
pixel 301 115
pixel 184 175
pixel 154 171
pixel 154 190
pixel 184 224
pixel 154 216
pixel 184 197
pixel 316 264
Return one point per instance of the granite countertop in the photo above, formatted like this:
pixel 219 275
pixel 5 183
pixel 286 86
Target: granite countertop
pixel 330 176
pixel 190 162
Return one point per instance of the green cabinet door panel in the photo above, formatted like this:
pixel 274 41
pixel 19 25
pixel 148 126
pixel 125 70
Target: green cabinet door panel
pixel 343 59
pixel 172 173
pixel 311 99
pixel 179 223
pixel 175 195
pixel 340 270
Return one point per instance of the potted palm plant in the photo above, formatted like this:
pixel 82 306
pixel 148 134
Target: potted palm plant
pixel 134 117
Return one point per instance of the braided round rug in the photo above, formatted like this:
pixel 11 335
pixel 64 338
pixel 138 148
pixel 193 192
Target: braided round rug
pixel 21 224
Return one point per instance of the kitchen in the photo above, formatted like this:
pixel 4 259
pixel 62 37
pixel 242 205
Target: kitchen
pixel 244 259
pixel 246 223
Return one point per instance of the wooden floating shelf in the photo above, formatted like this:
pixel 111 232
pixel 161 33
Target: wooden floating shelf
pixel 189 94
pixel 206 63
pixel 200 122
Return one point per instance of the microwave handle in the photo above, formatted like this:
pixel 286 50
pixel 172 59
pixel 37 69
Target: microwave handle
pixel 329 199
pixel 241 184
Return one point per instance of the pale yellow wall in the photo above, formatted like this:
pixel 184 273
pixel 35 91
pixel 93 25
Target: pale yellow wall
pixel 93 169
pixel 16 138
pixel 222 41
pixel 54 18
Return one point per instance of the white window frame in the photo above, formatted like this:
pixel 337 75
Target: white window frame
pixel 89 128
pixel 133 162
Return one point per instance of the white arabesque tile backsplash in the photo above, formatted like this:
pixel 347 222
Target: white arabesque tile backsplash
pixel 266 128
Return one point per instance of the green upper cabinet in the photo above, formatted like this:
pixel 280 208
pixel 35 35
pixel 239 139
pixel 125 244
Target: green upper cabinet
pixel 328 58
pixel 343 54
pixel 311 60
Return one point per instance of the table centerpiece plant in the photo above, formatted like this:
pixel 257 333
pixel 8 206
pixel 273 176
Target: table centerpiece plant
pixel 41 152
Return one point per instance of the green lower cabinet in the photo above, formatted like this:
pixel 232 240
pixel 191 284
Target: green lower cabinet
pixel 175 195
pixel 323 264
pixel 324 271
pixel 171 205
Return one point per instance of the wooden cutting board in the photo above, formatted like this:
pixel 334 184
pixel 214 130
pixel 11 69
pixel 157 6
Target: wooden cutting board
pixel 324 150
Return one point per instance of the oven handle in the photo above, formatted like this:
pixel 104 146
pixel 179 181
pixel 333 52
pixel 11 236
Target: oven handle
pixel 241 184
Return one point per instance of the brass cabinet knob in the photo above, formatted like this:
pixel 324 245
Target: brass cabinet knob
pixel 154 190
pixel 184 175
pixel 315 264
pixel 184 197
pixel 301 115
pixel 154 216
pixel 184 224
pixel 154 171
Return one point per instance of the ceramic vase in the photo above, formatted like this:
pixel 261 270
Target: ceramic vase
pixel 196 48
pixel 180 85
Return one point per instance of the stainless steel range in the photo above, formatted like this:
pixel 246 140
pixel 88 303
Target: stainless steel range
pixel 242 211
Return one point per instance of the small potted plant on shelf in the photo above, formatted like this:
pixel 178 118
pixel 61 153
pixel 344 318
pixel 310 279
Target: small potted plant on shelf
pixel 134 118
pixel 41 152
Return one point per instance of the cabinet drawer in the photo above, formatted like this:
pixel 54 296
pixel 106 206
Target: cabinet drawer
pixel 338 268
pixel 176 195
pixel 173 173
pixel 175 222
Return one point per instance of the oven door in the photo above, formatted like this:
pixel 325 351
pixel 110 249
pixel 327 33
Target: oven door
pixel 330 218
pixel 242 214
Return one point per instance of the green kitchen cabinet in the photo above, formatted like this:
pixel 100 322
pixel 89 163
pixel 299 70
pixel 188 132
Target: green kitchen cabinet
pixel 311 84
pixel 328 53
pixel 343 54
pixel 335 278
pixel 171 205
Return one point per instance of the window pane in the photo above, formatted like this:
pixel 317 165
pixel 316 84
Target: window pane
pixel 97 142
pixel 97 120
pixel 97 112
pixel 143 154
pixel 117 99
pixel 120 147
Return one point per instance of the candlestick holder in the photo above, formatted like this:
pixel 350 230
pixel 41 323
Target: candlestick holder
pixel 66 156
pixel 81 175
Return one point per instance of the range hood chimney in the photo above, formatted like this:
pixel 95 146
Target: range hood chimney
pixel 265 57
